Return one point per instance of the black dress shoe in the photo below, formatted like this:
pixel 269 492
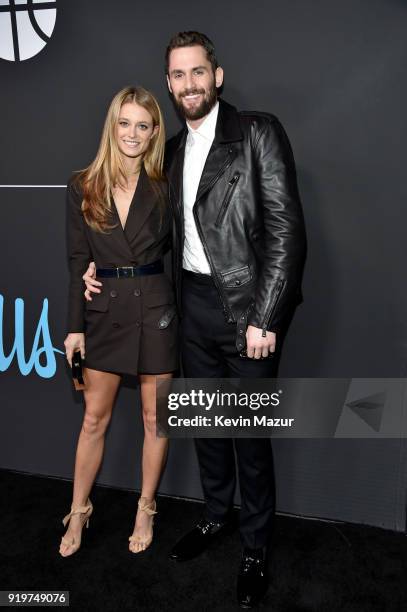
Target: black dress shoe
pixel 198 539
pixel 252 580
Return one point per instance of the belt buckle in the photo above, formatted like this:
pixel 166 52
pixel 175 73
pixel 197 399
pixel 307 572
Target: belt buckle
pixel 128 268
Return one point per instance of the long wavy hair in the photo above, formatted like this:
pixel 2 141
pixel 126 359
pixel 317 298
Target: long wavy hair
pixel 108 170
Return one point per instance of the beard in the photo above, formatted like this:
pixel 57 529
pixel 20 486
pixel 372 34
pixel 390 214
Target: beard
pixel 200 111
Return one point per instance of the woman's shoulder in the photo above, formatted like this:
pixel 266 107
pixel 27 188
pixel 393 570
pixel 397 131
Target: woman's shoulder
pixel 74 185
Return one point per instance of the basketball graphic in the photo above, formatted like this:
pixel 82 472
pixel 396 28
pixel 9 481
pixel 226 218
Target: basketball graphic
pixel 25 27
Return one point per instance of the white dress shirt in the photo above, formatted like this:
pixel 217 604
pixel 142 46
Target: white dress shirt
pixel 196 151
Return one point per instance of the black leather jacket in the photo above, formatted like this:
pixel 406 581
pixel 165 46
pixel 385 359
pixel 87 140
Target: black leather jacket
pixel 248 215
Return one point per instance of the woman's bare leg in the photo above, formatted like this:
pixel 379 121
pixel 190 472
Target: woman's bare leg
pixel 154 457
pixel 100 393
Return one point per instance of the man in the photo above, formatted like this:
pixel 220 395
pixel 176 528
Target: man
pixel 240 236
pixel 238 258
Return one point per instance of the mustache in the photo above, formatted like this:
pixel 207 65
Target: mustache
pixel 192 92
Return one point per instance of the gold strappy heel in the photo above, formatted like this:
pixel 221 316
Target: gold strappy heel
pixel 149 509
pixel 86 511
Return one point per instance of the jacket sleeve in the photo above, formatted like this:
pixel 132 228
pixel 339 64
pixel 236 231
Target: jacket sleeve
pixel 278 288
pixel 79 256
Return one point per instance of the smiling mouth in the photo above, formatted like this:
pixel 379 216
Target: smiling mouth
pixel 131 143
pixel 192 96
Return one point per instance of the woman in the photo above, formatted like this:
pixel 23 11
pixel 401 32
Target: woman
pixel 117 216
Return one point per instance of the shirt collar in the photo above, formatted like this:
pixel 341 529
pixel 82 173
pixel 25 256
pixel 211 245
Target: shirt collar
pixel 208 126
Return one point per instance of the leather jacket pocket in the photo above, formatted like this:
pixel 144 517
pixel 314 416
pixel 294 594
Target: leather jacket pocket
pixel 236 278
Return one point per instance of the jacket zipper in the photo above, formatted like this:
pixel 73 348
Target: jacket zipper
pixel 216 177
pixel 231 187
pixel 226 309
pixel 270 309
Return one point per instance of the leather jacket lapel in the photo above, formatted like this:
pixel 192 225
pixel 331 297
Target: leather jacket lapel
pixel 219 159
pixel 222 152
pixel 175 170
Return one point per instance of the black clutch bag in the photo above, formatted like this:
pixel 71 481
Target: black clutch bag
pixel 77 373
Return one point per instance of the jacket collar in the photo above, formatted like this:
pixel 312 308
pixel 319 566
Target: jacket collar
pixel 227 131
pixel 228 125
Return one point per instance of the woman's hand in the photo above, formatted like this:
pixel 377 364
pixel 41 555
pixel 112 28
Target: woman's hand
pixel 91 284
pixel 74 342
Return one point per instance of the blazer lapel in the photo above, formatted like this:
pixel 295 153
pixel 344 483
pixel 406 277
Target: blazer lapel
pixel 143 203
pixel 117 233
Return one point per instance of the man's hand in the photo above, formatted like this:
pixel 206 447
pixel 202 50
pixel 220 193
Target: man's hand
pixel 257 346
pixel 91 284
pixel 74 342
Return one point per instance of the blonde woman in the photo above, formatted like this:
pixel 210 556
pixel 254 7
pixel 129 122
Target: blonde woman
pixel 118 217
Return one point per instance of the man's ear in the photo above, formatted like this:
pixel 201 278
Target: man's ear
pixel 218 76
pixel 168 83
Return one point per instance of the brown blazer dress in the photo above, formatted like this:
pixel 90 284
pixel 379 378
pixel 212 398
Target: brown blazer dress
pixel 131 327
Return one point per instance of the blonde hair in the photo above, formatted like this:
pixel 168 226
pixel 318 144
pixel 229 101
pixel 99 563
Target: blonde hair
pixel 107 169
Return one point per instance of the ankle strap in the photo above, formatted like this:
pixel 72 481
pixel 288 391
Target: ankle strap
pixel 150 508
pixel 78 510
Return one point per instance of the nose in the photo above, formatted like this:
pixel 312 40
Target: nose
pixel 189 81
pixel 132 131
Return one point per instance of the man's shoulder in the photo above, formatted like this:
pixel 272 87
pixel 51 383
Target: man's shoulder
pixel 251 123
pixel 258 120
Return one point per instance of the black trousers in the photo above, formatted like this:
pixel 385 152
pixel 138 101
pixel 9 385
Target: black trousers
pixel 209 351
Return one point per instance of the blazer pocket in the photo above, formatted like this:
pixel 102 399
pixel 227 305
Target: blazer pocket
pixel 158 299
pixel 99 303
pixel 238 277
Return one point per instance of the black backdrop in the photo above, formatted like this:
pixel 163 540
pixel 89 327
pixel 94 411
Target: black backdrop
pixel 334 73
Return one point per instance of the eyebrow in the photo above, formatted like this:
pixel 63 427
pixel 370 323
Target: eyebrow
pixel 194 68
pixel 140 121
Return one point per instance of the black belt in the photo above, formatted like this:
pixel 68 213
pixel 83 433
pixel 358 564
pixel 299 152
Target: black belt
pixel 156 267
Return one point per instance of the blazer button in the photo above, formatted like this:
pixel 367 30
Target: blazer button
pixel 113 293
pixel 137 292
pixel 115 324
pixel 138 323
